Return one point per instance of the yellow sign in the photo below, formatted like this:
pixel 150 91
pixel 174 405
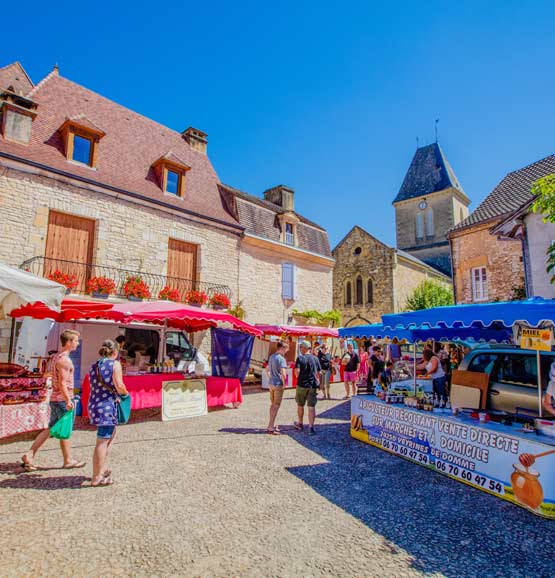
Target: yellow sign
pixel 183 398
pixel 538 339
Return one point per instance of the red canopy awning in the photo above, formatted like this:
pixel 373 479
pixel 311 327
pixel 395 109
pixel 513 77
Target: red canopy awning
pixel 298 330
pixel 177 315
pixel 71 309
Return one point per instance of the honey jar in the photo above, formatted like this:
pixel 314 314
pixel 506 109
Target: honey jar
pixel 526 486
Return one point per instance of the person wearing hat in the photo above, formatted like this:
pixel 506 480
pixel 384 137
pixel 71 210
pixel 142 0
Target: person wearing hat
pixel 307 370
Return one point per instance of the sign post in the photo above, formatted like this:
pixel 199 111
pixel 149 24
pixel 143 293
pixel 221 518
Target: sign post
pixel 540 340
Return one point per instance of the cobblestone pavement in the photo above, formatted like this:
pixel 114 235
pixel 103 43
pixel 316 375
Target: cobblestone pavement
pixel 215 496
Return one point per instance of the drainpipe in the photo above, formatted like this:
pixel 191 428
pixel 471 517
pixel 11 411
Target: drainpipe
pixel 453 270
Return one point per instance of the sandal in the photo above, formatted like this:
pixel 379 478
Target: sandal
pixel 273 432
pixel 27 465
pixel 74 465
pixel 104 481
pixel 298 426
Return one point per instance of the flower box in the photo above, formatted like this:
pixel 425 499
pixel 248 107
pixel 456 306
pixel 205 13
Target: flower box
pixel 97 295
pixel 196 298
pixel 135 289
pixel 101 287
pixel 133 298
pixel 220 301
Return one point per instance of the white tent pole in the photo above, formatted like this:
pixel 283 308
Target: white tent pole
pixel 538 360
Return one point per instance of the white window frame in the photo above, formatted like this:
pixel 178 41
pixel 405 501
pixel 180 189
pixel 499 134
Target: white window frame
pixel 419 226
pixel 289 238
pixel 479 279
pixel 288 281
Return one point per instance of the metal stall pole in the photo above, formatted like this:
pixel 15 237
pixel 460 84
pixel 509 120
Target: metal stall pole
pixel 414 367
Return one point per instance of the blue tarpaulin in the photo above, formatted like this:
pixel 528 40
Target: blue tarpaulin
pixel 502 315
pixel 231 353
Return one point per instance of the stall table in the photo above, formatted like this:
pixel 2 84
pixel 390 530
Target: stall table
pixel 146 390
pixel 23 417
pixel 482 455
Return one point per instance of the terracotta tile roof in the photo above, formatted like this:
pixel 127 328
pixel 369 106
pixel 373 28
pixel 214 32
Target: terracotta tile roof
pixel 126 153
pixel 510 194
pixel 15 75
pixel 429 172
pixel 259 217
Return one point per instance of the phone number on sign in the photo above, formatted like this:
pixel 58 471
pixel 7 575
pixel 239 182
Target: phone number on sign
pixel 470 477
pixel 405 452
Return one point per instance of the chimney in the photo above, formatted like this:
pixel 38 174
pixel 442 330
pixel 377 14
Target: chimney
pixel 196 138
pixel 282 196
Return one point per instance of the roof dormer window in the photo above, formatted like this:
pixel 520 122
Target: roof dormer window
pixel 81 137
pixel 171 173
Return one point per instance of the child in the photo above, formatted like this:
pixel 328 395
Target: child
pixel 388 373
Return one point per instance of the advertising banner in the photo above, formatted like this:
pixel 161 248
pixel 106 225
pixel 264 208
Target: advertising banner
pixel 538 339
pixel 491 457
pixel 183 398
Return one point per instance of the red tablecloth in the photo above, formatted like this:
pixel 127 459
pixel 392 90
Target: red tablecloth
pixel 146 390
pixel 23 417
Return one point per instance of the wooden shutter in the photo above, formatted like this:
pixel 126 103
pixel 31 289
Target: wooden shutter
pixel 69 246
pixel 182 266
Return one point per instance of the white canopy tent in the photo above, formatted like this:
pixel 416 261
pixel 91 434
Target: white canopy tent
pixel 19 288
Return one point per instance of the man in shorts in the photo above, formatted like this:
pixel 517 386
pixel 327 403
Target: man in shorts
pixel 61 400
pixel 351 370
pixel 276 369
pixel 307 370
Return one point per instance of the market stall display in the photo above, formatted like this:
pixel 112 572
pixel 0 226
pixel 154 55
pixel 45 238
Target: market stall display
pixel 494 451
pixel 146 390
pixel 23 400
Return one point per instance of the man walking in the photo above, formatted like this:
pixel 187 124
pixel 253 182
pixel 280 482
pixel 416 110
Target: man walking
pixel 276 369
pixel 61 401
pixel 352 367
pixel 325 363
pixel 307 370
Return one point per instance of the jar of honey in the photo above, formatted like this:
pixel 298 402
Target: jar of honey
pixel 526 486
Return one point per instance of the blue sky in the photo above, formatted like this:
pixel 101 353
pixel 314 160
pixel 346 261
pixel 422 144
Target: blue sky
pixel 326 97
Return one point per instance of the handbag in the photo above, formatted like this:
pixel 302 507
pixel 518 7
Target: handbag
pixel 123 402
pixel 63 427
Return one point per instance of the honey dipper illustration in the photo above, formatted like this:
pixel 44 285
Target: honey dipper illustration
pixel 527 460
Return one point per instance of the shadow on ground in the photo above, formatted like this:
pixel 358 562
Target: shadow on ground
pixel 445 526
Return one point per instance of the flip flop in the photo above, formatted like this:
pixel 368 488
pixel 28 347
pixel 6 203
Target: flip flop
pixel 27 465
pixel 105 481
pixel 74 465
pixel 273 432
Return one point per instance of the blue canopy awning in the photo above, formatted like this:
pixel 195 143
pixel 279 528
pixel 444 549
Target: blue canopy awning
pixel 494 316
pixel 377 331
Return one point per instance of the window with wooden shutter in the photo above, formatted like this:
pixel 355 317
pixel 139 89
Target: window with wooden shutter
pixel 69 246
pixel 288 281
pixel 479 284
pixel 182 266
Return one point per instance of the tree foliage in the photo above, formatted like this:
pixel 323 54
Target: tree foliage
pixel 429 294
pixel 544 191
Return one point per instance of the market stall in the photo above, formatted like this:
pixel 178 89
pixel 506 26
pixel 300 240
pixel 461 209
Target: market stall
pixel 23 393
pixel 292 333
pixel 146 382
pixel 506 454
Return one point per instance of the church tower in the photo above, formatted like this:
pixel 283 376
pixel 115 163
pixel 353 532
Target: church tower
pixel 430 201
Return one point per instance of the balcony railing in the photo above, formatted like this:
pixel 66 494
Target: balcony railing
pixel 82 272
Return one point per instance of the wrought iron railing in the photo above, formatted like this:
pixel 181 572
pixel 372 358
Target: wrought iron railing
pixel 80 274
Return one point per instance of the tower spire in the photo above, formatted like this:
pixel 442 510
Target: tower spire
pixel 436 123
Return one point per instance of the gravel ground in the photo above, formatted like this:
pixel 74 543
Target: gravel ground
pixel 215 496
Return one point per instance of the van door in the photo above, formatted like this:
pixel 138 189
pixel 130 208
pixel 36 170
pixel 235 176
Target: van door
pixel 514 382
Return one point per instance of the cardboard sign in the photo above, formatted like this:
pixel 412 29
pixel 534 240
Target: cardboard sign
pixel 537 339
pixel 183 398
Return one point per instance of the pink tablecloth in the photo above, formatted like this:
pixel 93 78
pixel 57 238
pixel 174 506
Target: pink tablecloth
pixel 23 417
pixel 146 390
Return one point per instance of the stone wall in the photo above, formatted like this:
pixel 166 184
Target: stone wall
pixel 129 235
pixel 374 262
pixel 539 236
pixel 260 285
pixel 407 277
pixel 503 259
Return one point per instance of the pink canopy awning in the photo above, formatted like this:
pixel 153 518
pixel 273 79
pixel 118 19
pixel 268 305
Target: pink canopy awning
pixel 177 315
pixel 70 309
pixel 298 330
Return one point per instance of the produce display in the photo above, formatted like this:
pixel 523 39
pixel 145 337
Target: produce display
pixel 23 389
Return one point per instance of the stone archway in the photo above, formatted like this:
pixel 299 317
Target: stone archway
pixel 358 320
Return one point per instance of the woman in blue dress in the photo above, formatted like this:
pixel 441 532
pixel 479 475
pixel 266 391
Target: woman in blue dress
pixel 106 379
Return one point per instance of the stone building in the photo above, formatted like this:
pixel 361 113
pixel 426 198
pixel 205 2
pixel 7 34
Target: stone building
pixel 371 279
pixel 487 247
pixel 430 202
pixel 91 188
